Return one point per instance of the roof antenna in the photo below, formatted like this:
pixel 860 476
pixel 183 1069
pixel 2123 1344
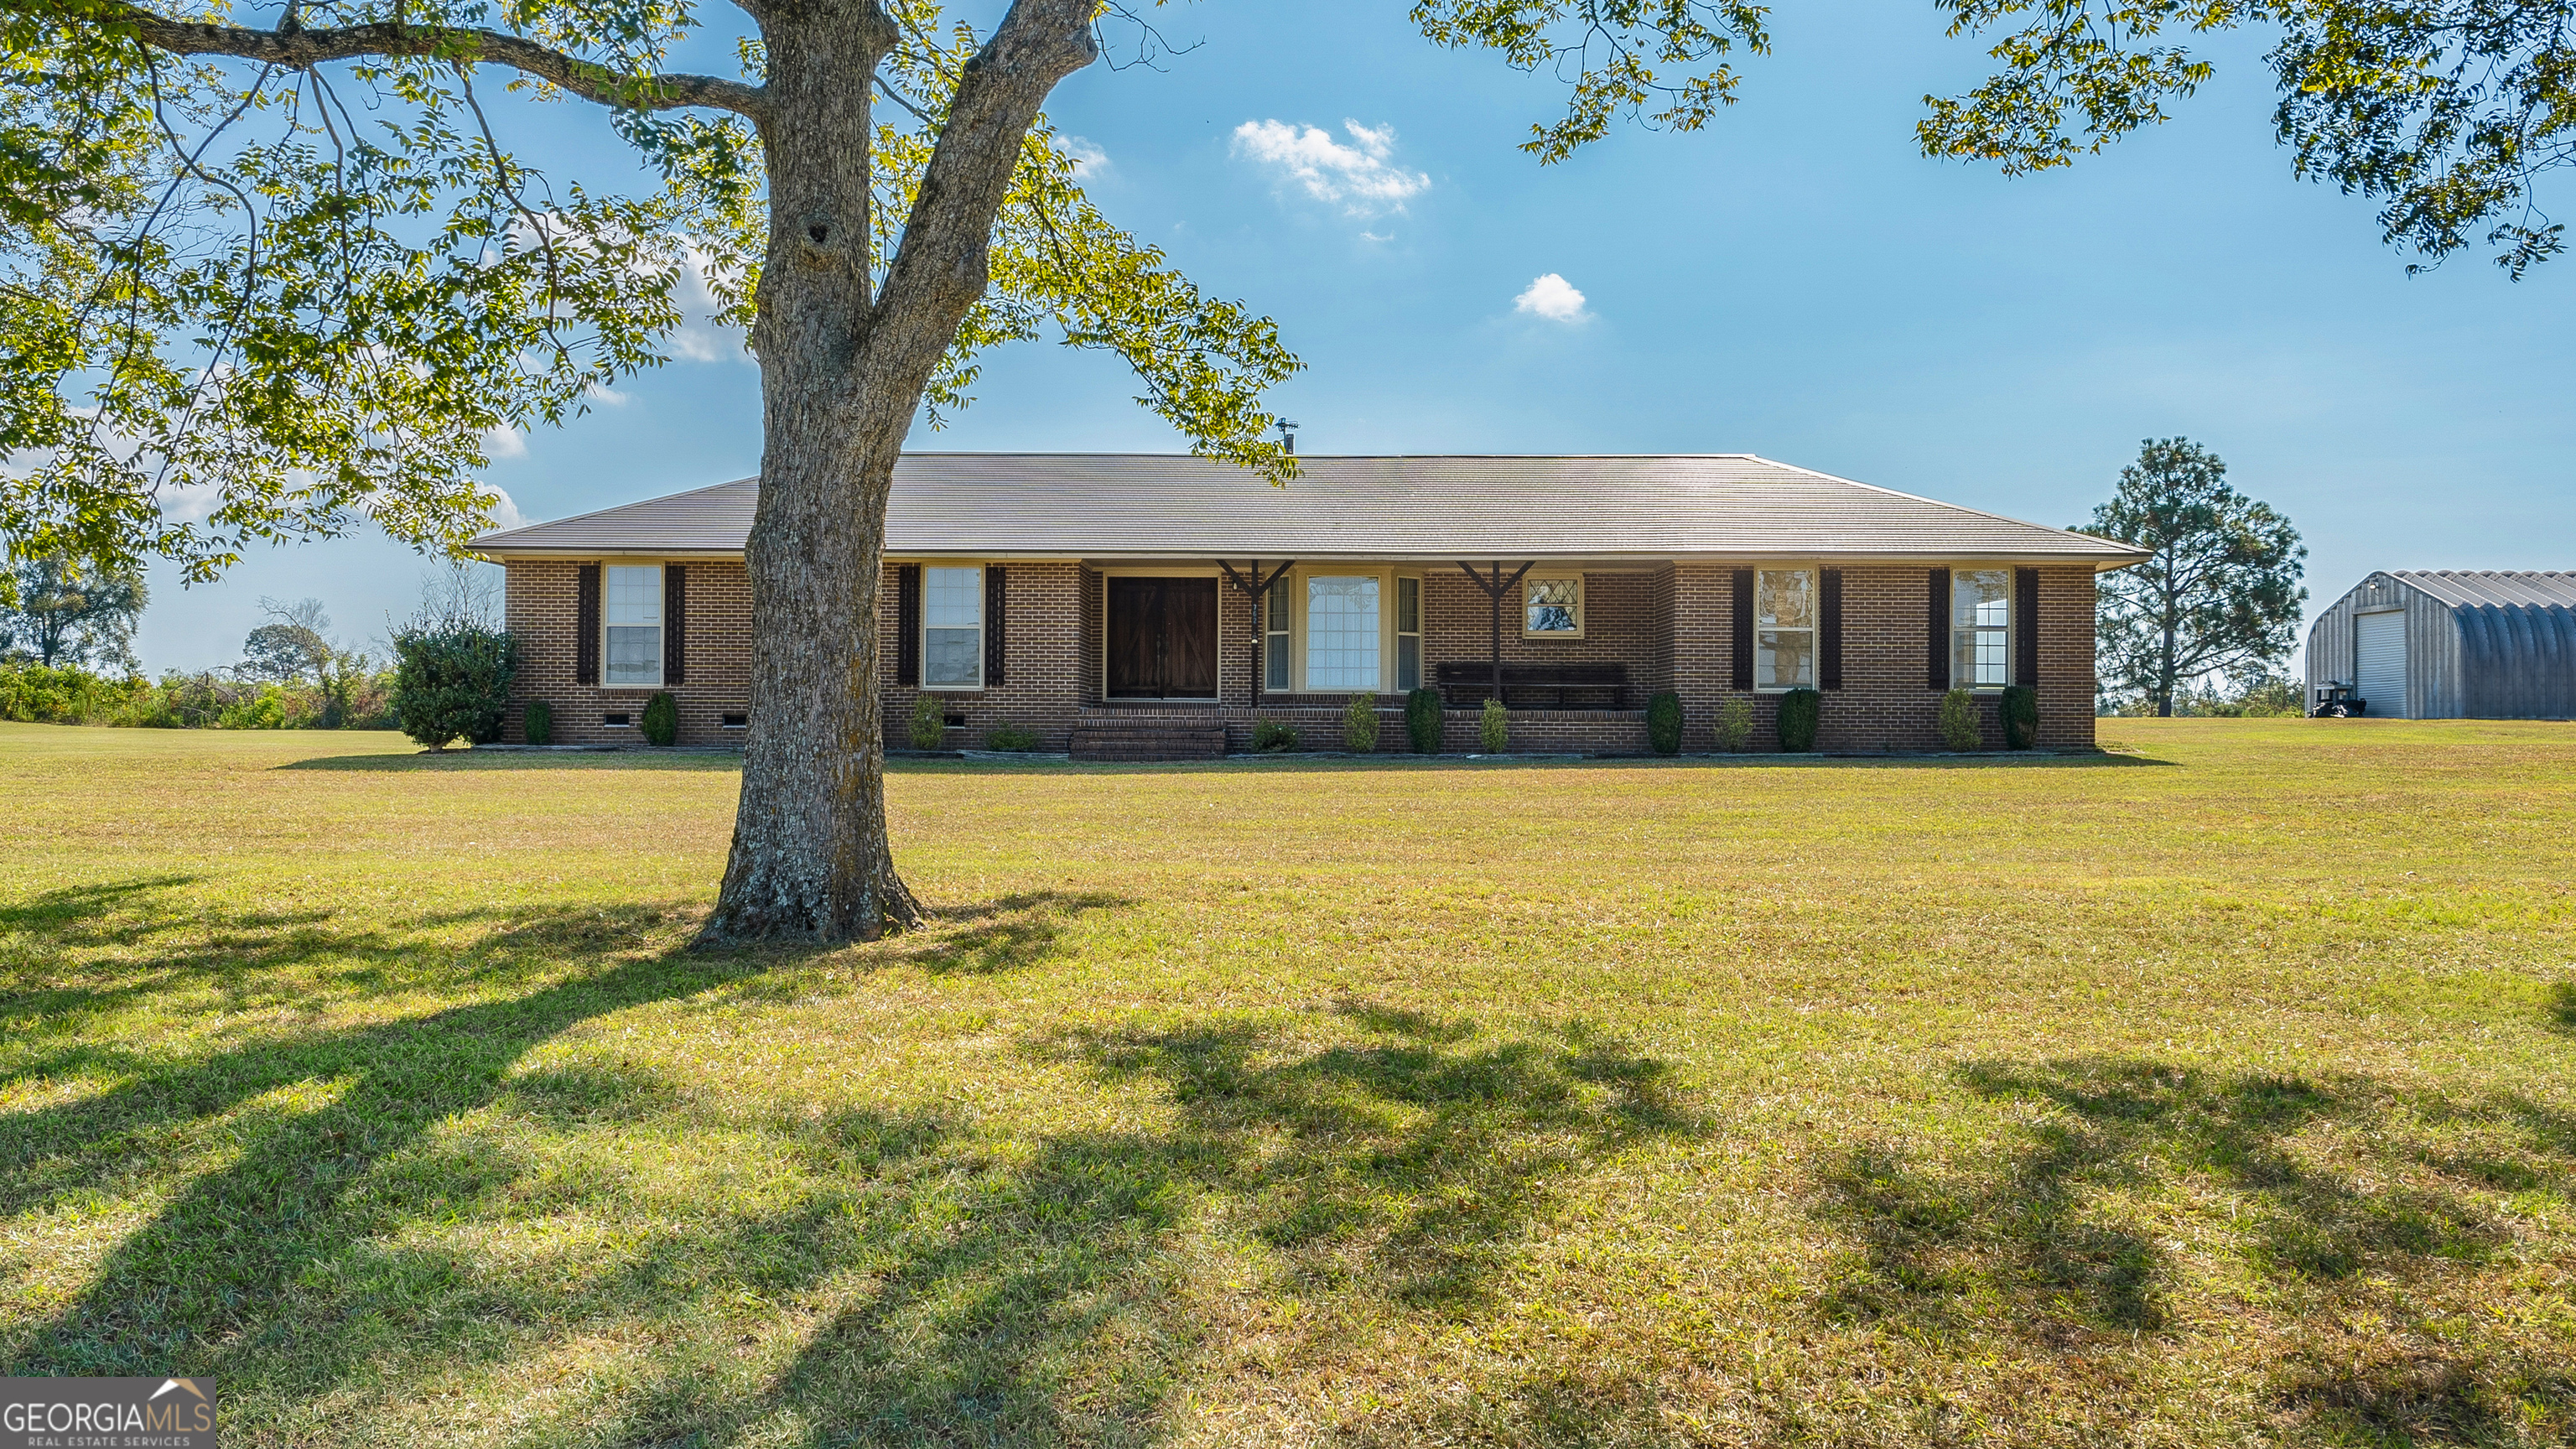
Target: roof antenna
pixel 1287 434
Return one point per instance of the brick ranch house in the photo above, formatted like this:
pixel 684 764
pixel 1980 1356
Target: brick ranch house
pixel 1150 606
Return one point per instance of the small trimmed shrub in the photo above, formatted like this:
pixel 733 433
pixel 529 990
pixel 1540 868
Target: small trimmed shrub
pixel 1799 710
pixel 929 722
pixel 1494 727
pixel 662 720
pixel 540 722
pixel 1012 738
pixel 1422 720
pixel 1359 724
pixel 1959 721
pixel 452 682
pixel 1664 723
pixel 1735 725
pixel 1273 736
pixel 2021 717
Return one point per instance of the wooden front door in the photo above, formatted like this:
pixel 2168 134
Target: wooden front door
pixel 1162 638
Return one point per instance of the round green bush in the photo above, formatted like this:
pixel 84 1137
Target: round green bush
pixel 452 682
pixel 1799 710
pixel 1359 724
pixel 1664 723
pixel 1959 728
pixel 2021 717
pixel 1494 727
pixel 662 720
pixel 1422 720
pixel 540 722
pixel 1273 736
pixel 929 722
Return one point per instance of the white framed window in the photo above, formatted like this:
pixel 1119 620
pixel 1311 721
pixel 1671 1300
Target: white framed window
pixel 1552 608
pixel 634 626
pixel 1980 628
pixel 1408 634
pixel 952 626
pixel 1278 617
pixel 1342 631
pixel 1784 629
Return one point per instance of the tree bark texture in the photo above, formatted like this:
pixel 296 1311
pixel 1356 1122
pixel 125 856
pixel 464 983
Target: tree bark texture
pixel 842 373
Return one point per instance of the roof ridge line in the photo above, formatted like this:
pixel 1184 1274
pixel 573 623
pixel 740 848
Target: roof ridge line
pixel 617 507
pixel 1954 507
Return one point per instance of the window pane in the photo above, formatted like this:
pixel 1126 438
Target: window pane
pixel 1276 675
pixel 1981 598
pixel 1341 633
pixel 1554 606
pixel 952 656
pixel 635 654
pixel 1784 658
pixel 1408 661
pixel 635 593
pixel 1274 623
pixel 1408 606
pixel 1784 597
pixel 952 598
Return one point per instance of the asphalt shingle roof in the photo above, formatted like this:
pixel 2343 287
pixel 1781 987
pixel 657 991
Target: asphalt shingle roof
pixel 1149 505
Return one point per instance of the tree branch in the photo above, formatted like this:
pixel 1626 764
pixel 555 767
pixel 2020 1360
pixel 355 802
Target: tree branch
pixel 300 49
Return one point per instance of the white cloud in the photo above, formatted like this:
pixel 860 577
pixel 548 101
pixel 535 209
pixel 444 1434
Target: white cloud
pixel 1089 161
pixel 700 337
pixel 607 397
pixel 504 443
pixel 503 510
pixel 1371 236
pixel 1552 297
pixel 1361 176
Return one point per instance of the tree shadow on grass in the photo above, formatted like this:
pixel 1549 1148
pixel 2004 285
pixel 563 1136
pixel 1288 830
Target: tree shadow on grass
pixel 1038 1291
pixel 2053 1242
pixel 232 1239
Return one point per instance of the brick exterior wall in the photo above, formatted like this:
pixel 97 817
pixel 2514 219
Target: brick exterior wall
pixel 1672 627
pixel 538 608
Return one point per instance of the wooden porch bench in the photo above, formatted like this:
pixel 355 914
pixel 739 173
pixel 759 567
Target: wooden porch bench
pixel 1567 686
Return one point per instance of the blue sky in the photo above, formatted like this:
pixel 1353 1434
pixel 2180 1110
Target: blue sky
pixel 1795 281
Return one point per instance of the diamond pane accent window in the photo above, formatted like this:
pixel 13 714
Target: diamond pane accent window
pixel 952 628
pixel 1981 628
pixel 1341 633
pixel 1555 608
pixel 1784 629
pixel 634 600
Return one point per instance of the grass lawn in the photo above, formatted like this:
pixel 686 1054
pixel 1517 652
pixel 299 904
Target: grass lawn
pixel 2221 1090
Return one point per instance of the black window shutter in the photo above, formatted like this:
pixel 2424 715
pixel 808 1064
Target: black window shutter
pixel 907 624
pixel 675 624
pixel 993 600
pixel 1744 628
pixel 585 623
pixel 1829 630
pixel 2025 626
pixel 1937 649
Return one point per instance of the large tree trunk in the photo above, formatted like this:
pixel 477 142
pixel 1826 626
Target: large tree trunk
pixel 842 374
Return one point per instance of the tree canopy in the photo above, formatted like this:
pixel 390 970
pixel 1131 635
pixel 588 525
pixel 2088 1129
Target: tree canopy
pixel 274 273
pixel 2219 593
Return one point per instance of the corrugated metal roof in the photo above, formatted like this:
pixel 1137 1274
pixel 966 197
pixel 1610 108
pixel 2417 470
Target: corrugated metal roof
pixel 1146 505
pixel 2463 587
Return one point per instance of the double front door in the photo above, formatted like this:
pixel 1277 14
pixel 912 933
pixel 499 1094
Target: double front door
pixel 1162 638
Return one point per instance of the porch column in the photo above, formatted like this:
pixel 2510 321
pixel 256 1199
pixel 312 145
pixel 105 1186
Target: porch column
pixel 1494 589
pixel 1257 587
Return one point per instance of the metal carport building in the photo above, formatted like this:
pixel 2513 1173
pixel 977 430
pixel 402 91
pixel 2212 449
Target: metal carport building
pixel 2452 644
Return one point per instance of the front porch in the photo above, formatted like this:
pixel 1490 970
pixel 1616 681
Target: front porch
pixel 1181 731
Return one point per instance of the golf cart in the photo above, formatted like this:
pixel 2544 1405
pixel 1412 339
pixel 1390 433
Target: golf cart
pixel 2337 701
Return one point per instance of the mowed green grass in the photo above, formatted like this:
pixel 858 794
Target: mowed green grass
pixel 2219 1090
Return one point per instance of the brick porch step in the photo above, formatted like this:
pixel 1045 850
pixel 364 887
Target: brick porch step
pixel 1132 741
